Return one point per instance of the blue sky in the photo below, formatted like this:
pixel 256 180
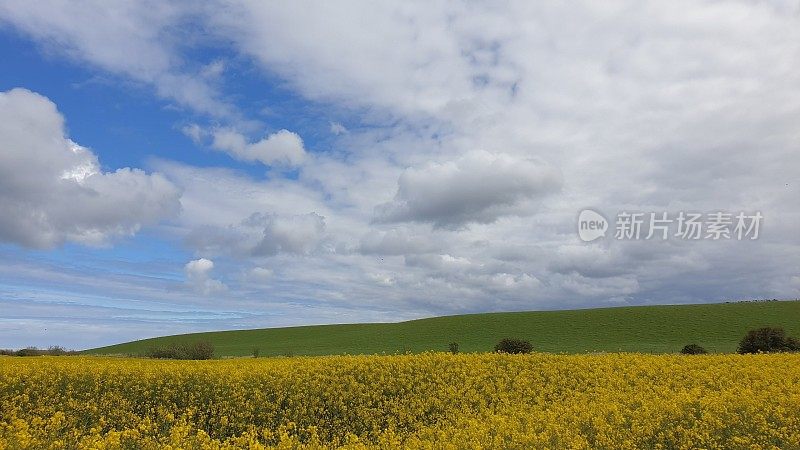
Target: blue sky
pixel 174 167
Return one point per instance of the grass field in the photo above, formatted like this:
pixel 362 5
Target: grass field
pixel 651 329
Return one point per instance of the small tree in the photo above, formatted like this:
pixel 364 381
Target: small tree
pixel 693 349
pixel 256 352
pixel 453 346
pixel 196 350
pixel 163 352
pixel 30 351
pixel 199 350
pixel 55 350
pixel 514 346
pixel 768 340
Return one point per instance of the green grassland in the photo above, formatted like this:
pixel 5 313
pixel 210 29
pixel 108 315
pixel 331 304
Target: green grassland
pixel 650 329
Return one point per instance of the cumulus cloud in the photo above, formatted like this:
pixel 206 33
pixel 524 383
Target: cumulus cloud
pixel 280 148
pixel 53 190
pixel 293 234
pixel 478 187
pixel 198 276
pixel 261 234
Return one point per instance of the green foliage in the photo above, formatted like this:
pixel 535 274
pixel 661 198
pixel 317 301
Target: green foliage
pixel 453 347
pixel 30 351
pixel 198 350
pixel 513 346
pixel 768 340
pixel 34 351
pixel 693 349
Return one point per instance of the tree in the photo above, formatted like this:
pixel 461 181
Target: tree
pixel 514 346
pixel 693 349
pixel 768 340
pixel 195 350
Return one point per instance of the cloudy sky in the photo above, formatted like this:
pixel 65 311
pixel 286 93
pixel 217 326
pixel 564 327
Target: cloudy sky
pixel 171 167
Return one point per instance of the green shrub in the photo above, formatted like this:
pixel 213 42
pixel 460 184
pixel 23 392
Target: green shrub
pixel 196 350
pixel 693 349
pixel 453 346
pixel 200 350
pixel 514 346
pixel 768 340
pixel 29 351
pixel 164 352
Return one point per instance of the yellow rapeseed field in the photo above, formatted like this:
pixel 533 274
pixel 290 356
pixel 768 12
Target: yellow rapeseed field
pixel 608 401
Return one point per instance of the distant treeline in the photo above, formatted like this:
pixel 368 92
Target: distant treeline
pixel 33 351
pixel 759 300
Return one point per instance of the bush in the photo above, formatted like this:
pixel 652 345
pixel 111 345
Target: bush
pixel 453 346
pixel 768 340
pixel 256 352
pixel 199 350
pixel 56 350
pixel 196 350
pixel 165 352
pixel 693 349
pixel 514 346
pixel 30 351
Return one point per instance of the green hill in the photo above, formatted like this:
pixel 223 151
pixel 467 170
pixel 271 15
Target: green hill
pixel 652 329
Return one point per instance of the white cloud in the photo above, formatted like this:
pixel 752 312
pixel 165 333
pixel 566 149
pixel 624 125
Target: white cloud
pixel 213 70
pixel 53 190
pixel 280 148
pixel 198 276
pixel 399 242
pixel 337 128
pixel 382 279
pixel 477 187
pixel 195 132
pixel 259 274
pixel 292 234
pixel 129 38
pixel 401 57
pixel 261 234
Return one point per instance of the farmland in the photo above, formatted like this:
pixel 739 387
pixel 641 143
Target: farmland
pixel 649 329
pixel 429 400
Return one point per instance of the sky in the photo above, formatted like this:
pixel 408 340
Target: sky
pixel 168 167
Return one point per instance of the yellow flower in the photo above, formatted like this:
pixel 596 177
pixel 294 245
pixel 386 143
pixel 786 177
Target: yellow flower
pixel 620 401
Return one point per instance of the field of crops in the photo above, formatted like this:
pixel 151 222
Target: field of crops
pixel 432 400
